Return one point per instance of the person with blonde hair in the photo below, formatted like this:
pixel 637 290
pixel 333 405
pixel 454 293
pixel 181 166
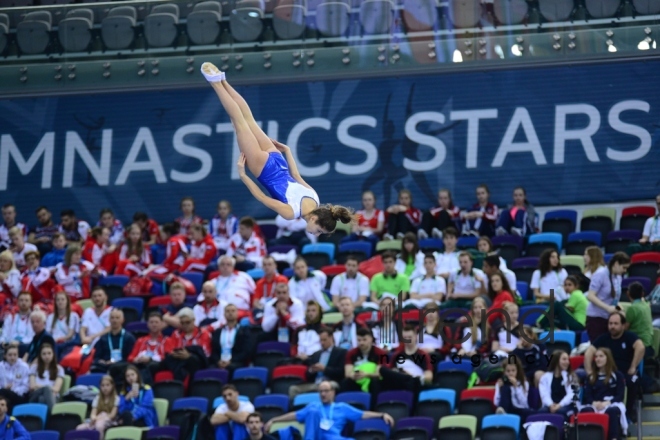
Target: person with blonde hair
pixel 593 260
pixel 10 278
pixel 105 407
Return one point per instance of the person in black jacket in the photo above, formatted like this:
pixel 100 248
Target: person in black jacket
pixel 113 349
pixel 231 344
pixel 604 392
pixel 325 364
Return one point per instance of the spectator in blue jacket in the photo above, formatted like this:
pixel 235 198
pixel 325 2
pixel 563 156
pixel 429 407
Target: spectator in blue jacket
pixel 10 428
pixel 56 255
pixel 136 404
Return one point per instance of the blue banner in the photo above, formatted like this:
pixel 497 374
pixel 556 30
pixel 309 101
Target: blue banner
pixel 581 134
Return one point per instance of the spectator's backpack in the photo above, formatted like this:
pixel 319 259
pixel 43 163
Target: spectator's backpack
pixel 81 393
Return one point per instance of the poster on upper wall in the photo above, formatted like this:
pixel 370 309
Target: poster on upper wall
pixel 572 134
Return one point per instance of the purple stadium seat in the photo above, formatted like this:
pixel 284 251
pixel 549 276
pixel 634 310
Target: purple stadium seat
pixel 282 347
pixel 425 423
pixel 221 375
pixel 164 431
pixel 82 435
pixel 642 280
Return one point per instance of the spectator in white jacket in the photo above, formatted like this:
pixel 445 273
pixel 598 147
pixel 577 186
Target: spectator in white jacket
pixel 14 377
pixel 308 286
pixel 350 284
pixel 10 277
pixel 17 328
pixel 283 314
pixel 233 287
pixel 210 311
pixel 555 386
pixel 223 225
pixel 246 246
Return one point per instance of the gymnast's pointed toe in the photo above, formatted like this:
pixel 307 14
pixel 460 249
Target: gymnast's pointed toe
pixel 212 73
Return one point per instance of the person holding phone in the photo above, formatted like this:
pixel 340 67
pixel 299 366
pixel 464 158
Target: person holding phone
pixel 136 404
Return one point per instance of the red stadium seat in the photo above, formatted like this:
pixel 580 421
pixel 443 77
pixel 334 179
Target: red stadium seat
pixel 645 211
pixel 160 301
pixel 290 370
pixel 487 393
pixel 334 269
pixel 600 420
pixel 646 257
pixel 576 362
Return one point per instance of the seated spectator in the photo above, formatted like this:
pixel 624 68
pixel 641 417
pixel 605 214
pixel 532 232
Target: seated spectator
pixel 409 368
pixel 282 315
pixel 650 241
pixel 134 256
pixel 499 292
pixel 362 362
pixel 593 260
pixel 107 220
pixel 326 419
pixel 96 250
pixel 247 248
pixel 105 408
pixel 465 285
pixel 533 352
pixel 440 217
pixel 571 314
pixel 234 287
pixel 255 428
pixel 351 284
pixel 9 218
pixel 291 232
pixel 223 225
pixel 388 283
pixel 46 378
pixel 95 320
pixel 604 294
pixel 112 351
pixel 386 330
pixel 520 218
pixel 19 247
pixel 229 418
pixel 626 350
pixel 17 328
pixel 42 235
pixel 63 325
pixel 639 319
pixel 307 285
pixel 509 335
pixel 555 386
pixel 265 288
pixel 41 336
pixel 431 339
pixel 188 349
pixel 210 311
pixel 10 426
pixel 485 246
pixel 447 260
pixel 37 280
pixel 511 392
pixel 605 392
pixel 475 337
pixel 149 227
pixel 202 250
pixel 188 217
pixel 75 274
pixel 325 363
pixel 177 303
pixel 176 249
pixel 402 217
pixel 231 344
pixel 14 378
pixel 74 230
pixel 10 278
pixel 410 261
pixel 370 221
pixel 136 401
pixel 549 277
pixel 307 336
pixel 345 331
pixel 56 254
pixel 480 219
pixel 491 264
pixel 427 289
pixel 148 351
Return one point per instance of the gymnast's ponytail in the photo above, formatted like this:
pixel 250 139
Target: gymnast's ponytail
pixel 328 216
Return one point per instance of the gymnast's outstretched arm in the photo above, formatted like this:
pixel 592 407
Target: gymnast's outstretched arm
pixel 293 168
pixel 281 208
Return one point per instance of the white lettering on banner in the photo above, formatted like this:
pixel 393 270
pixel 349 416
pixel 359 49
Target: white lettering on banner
pixel 359 144
pixel 473 117
pixel 227 127
pixel 45 147
pixel 562 134
pixel 292 142
pixel 633 130
pixel 154 164
pixel 425 139
pixel 100 171
pixel 522 119
pixel 188 150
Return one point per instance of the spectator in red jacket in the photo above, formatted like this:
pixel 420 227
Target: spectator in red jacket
pixel 97 251
pixel 74 274
pixel 188 349
pixel 202 250
pixel 134 256
pixel 265 288
pixel 149 227
pixel 440 217
pixel 402 217
pixel 247 247
pixel 499 292
pixel 37 280
pixel 480 219
pixel 149 350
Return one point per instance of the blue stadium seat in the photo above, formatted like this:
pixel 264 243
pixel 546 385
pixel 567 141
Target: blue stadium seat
pixel 196 278
pixel 288 272
pixel 199 403
pixel 529 314
pixel 579 241
pixel 439 394
pixel 323 248
pixel 303 399
pixel 220 400
pixel 256 273
pixel 431 244
pixel 451 366
pixel 260 373
pixel 129 303
pixel 523 290
pixel 279 400
pixel 568 214
pixel 158 253
pixel 566 336
pixel 46 435
pixel 38 410
pixel 510 421
pixel 90 379
pixel 355 398
pixel 467 242
pixel 371 425
pixel 537 243
pixel 114 280
pixel 357 247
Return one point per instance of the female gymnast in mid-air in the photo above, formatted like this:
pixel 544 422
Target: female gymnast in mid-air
pixel 291 197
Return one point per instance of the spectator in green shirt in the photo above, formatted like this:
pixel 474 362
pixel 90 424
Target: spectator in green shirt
pixel 572 313
pixel 639 317
pixel 389 281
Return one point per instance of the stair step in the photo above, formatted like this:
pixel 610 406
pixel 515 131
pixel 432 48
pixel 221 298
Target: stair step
pixel 651 400
pixel 651 414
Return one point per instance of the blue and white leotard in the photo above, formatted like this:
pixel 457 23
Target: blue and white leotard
pixel 275 177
